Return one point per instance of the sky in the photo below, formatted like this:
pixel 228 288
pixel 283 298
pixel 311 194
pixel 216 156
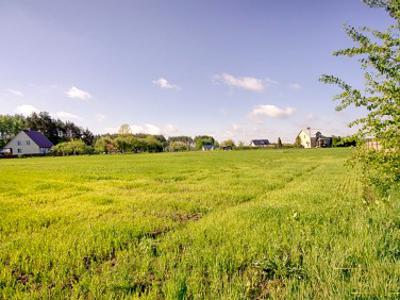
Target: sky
pixel 235 69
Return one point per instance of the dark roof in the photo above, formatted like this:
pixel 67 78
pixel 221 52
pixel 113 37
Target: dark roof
pixel 208 146
pixel 260 142
pixel 39 138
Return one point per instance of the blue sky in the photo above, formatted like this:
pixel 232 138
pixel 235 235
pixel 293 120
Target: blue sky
pixel 233 69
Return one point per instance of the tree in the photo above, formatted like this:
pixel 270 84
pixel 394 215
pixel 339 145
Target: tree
pixel 124 143
pixel 176 146
pixel 105 144
pixel 297 142
pixel 380 52
pixel 87 137
pixel 186 140
pixel 347 141
pixel 152 144
pixel 73 147
pixel 138 145
pixel 228 143
pixel 161 139
pixel 124 129
pixel 279 144
pixel 10 125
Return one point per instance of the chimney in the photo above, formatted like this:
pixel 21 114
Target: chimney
pixel 309 131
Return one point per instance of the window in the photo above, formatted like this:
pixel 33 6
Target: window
pixel 19 143
pixel 19 150
pixel 28 142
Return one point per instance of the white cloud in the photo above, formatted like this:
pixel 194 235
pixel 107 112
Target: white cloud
pixel 26 109
pixel 66 115
pixel 295 86
pixel 165 84
pixel 170 129
pixel 14 92
pixel 146 128
pixel 77 93
pixel 236 127
pixel 272 111
pixel 246 83
pixel 110 130
pixel 167 129
pixel 100 117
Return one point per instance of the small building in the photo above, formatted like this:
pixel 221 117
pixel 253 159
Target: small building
pixel 28 142
pixel 208 148
pixel 313 139
pixel 259 143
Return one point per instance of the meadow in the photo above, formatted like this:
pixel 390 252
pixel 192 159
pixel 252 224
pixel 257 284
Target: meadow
pixel 284 224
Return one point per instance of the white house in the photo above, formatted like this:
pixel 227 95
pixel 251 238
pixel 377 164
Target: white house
pixel 312 139
pixel 28 142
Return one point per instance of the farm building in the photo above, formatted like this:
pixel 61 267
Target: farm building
pixel 259 143
pixel 313 139
pixel 28 142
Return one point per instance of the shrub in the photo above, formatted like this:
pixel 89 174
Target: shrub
pixel 74 147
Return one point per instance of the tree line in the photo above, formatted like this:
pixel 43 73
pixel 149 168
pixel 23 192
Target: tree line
pixel 70 138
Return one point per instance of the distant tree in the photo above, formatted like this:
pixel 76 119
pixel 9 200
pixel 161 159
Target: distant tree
pixel 279 143
pixel 228 143
pixel 124 143
pixel 347 141
pixel 152 144
pixel 177 146
pixel 139 144
pixel 124 129
pixel 161 139
pixel 297 142
pixel 380 52
pixel 10 125
pixel 71 131
pixel 186 140
pixel 105 144
pixel 88 137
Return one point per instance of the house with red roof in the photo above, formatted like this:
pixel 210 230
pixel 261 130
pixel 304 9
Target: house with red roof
pixel 28 142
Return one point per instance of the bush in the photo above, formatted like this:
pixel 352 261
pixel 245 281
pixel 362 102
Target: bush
pixel 178 146
pixel 105 144
pixel 74 147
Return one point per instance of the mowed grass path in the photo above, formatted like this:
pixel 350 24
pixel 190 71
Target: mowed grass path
pixel 219 225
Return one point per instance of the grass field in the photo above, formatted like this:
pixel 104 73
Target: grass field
pixel 220 225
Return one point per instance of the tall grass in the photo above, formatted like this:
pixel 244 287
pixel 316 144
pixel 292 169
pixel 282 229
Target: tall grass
pixel 284 224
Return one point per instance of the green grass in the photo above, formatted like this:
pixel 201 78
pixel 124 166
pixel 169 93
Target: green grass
pixel 220 225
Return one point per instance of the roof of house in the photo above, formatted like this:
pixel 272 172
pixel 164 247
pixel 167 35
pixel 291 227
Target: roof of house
pixel 39 138
pixel 260 142
pixel 206 146
pixel 314 132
